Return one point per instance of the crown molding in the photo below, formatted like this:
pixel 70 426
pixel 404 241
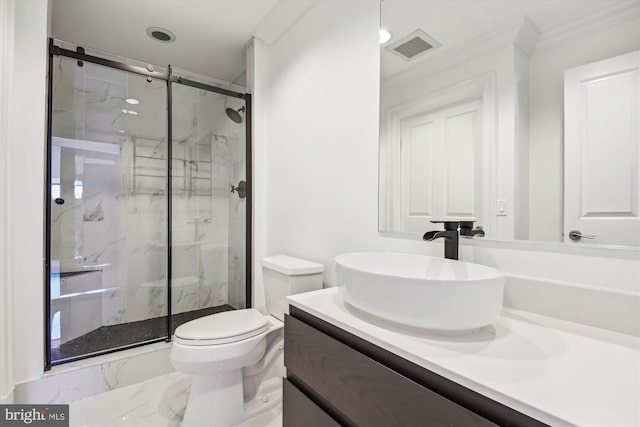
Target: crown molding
pixel 524 34
pixel 527 36
pixel 608 18
pixel 282 16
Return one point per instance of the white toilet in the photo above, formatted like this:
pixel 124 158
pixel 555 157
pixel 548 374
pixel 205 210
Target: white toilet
pixel 216 348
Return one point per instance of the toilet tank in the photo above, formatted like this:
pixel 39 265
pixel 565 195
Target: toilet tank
pixel 284 275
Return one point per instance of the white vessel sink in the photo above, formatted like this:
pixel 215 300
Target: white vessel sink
pixel 421 291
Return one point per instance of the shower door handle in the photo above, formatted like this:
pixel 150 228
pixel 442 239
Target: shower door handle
pixel 241 189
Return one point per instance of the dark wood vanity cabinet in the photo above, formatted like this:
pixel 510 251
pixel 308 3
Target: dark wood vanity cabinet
pixel 335 378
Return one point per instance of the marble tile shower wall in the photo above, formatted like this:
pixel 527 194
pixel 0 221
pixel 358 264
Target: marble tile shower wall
pixel 237 220
pixel 200 230
pixel 117 223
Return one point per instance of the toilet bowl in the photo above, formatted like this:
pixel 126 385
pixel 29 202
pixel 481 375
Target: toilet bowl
pixel 216 348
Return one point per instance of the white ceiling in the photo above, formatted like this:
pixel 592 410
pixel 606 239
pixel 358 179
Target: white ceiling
pixel 211 35
pixel 457 22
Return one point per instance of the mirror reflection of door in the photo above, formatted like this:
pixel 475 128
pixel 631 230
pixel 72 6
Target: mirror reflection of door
pixel 513 55
pixel 602 152
pixel 441 166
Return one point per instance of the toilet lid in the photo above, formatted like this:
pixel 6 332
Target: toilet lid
pixel 221 328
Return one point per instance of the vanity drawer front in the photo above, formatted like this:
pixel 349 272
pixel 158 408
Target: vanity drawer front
pixel 361 390
pixel 299 410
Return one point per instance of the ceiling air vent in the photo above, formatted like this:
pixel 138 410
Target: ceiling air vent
pixel 414 45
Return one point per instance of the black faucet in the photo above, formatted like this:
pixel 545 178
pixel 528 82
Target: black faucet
pixel 466 229
pixel 450 236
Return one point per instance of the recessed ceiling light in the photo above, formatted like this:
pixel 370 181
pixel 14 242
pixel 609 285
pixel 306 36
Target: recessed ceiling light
pixel 134 113
pixel 161 34
pixel 132 101
pixel 385 36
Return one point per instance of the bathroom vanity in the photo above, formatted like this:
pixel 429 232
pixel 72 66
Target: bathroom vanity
pixel 361 384
pixel 345 367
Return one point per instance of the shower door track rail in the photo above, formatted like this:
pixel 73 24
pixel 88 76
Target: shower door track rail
pixel 169 78
pixel 59 51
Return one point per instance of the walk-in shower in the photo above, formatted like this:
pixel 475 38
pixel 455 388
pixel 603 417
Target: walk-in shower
pixel 145 228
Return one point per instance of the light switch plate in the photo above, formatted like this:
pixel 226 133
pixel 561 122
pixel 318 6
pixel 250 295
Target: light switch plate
pixel 501 207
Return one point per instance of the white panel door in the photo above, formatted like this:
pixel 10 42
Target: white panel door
pixel 418 168
pixel 441 166
pixel 463 174
pixel 602 151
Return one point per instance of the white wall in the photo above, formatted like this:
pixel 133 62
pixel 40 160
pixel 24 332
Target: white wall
pixel 6 320
pixel 319 170
pixel 320 164
pixel 21 222
pixel 546 134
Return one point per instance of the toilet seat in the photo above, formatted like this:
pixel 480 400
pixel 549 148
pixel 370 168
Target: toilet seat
pixel 222 328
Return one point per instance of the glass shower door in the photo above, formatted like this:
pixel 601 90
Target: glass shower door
pixel 108 209
pixel 147 218
pixel 208 205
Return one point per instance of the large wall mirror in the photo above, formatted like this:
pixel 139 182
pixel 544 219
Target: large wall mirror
pixel 521 115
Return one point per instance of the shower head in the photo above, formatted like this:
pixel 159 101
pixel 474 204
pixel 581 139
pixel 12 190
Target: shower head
pixel 235 114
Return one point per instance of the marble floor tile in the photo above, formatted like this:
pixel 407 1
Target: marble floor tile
pixel 158 402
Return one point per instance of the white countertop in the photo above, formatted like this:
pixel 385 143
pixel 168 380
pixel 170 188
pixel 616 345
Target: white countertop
pixel 558 372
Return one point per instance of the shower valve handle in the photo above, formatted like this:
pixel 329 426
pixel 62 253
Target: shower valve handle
pixel 241 189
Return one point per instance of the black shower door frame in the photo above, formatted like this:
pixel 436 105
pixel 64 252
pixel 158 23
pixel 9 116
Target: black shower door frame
pixel 170 79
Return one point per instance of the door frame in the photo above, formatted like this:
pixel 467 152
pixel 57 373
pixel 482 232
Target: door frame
pixel 482 87
pixel 54 50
